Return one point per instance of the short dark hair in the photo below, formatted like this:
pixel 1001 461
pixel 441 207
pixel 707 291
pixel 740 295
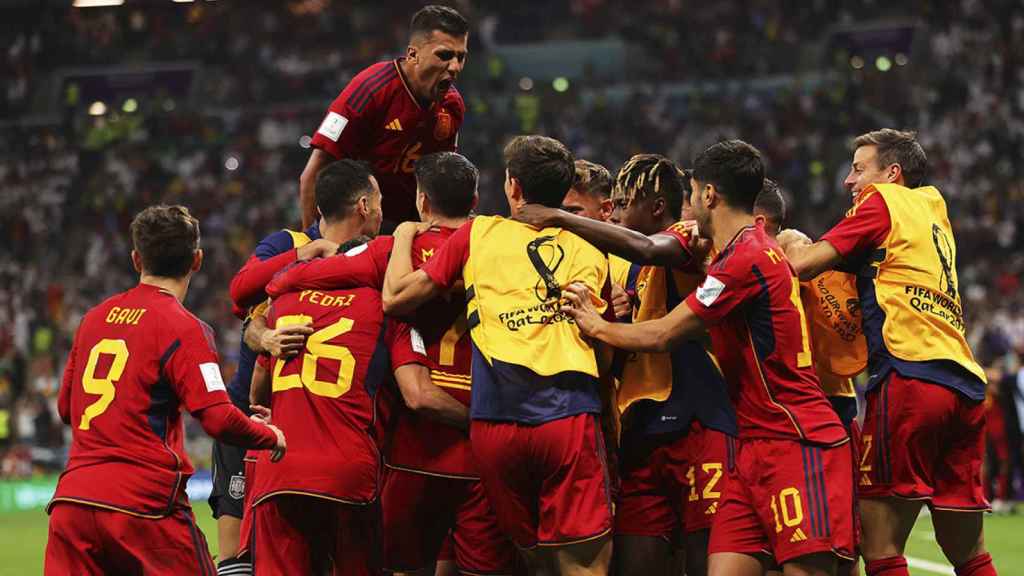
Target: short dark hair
pixel 592 179
pixel 736 170
pixel 644 175
pixel 771 203
pixel 339 185
pixel 434 17
pixel 449 180
pixel 543 166
pixel 898 147
pixel 166 237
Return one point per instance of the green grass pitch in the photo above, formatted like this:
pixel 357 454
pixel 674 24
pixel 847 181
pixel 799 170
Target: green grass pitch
pixel 24 538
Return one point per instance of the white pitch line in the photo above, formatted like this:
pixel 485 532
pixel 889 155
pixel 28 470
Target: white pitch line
pixel 929 566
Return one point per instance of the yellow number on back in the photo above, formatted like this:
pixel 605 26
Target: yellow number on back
pixel 450 339
pixel 317 348
pixel 803 358
pixel 104 387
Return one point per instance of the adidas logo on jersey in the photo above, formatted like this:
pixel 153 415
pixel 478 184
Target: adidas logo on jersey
pixel 394 125
pixel 798 536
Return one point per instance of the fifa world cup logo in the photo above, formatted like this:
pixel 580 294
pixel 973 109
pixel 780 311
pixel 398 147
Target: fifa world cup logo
pixel 945 251
pixel 546 256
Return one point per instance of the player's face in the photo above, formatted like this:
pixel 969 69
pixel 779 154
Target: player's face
pixel 700 212
pixel 636 215
pixel 437 61
pixel 375 214
pixel 866 170
pixel 585 205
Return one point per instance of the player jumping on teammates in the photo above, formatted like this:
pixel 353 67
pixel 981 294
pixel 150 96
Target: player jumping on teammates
pixel 395 112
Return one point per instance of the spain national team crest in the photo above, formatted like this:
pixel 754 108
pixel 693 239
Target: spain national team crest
pixel 444 127
pixel 236 487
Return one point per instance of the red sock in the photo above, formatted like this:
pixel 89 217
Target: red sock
pixel 980 565
pixel 893 566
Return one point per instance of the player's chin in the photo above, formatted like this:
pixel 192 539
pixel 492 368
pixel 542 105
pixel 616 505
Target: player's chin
pixel 443 86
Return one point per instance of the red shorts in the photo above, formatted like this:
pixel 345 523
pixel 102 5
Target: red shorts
pixel 447 551
pixel 923 441
pixel 420 510
pixel 672 486
pixel 788 500
pixel 548 483
pixel 309 535
pixel 90 540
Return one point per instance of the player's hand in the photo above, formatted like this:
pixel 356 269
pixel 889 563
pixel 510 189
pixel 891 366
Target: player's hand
pixel 579 304
pixel 281 446
pixel 621 303
pixel 699 246
pixel 792 237
pixel 411 229
pixel 537 215
pixel 286 341
pixel 319 248
pixel 261 414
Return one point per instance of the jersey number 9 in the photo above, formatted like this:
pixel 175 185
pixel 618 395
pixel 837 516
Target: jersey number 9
pixel 104 387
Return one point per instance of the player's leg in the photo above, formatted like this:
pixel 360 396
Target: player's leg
pixel 164 546
pixel 819 564
pixel 227 503
pixel 445 565
pixel 705 476
pixel 899 451
pixel 645 516
pixel 280 544
pixel 575 510
pixel 738 544
pixel 478 543
pixel 959 503
pixel 357 544
pixel 417 513
pixel 73 545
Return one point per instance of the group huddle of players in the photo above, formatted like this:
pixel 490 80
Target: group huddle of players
pixel 634 375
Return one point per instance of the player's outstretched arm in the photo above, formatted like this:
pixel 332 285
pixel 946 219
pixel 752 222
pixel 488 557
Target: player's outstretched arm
pixel 307 185
pixel 808 259
pixel 657 249
pixel 229 425
pixel 259 389
pixel 658 335
pixel 405 289
pixel 423 396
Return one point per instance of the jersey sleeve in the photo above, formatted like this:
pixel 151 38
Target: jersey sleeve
pixel 67 382
pixel 273 253
pixel 362 266
pixel 445 268
pixel 343 131
pixel 193 370
pixel 862 230
pixel 405 344
pixel 683 233
pixel 727 285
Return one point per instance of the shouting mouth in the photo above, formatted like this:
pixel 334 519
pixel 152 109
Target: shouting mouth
pixel 444 85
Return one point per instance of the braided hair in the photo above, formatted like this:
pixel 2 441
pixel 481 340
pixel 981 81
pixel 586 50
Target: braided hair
pixel 645 175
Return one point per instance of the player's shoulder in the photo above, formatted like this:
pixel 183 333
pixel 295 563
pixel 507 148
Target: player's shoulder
pixel 376 73
pixel 280 241
pixel 368 86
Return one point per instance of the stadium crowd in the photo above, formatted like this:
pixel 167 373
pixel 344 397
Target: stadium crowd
pixel 82 180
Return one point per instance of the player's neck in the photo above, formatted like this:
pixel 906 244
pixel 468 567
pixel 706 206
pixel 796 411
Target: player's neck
pixel 405 68
pixel 341 231
pixel 445 221
pixel 726 225
pixel 176 286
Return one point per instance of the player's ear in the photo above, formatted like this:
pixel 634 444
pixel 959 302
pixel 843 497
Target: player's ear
pixel 197 260
pixel 411 52
pixel 658 207
pixel 607 206
pixel 363 205
pixel 894 173
pixel 137 261
pixel 476 200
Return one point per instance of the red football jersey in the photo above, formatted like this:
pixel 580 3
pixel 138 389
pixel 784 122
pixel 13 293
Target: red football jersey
pixel 136 359
pixel 377 119
pixel 750 299
pixel 414 442
pixel 323 399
